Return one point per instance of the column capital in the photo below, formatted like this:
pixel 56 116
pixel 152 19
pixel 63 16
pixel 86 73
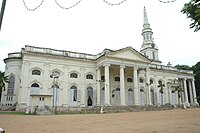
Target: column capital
pixel 147 69
pixel 184 79
pixel 135 68
pixel 97 68
pixel 122 66
pixel 106 65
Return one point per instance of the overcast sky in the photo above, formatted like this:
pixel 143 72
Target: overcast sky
pixel 93 25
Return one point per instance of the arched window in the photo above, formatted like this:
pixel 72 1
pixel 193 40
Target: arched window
pixel 74 92
pixel 117 89
pixel 11 85
pixel 36 72
pixel 159 82
pixel 129 80
pixel 55 86
pixel 35 85
pixel 89 76
pixel 130 89
pixel 142 96
pixel 151 81
pixel 103 77
pixel 73 75
pixel 141 80
pixel 141 90
pixel 152 96
pixel 117 78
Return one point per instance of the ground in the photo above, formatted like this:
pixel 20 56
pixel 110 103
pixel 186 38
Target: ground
pixel 167 121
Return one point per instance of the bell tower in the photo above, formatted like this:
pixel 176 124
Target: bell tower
pixel 149 48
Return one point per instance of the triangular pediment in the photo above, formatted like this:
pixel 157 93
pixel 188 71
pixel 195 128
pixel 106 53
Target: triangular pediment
pixel 129 54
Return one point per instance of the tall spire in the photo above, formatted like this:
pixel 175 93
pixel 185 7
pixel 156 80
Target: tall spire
pixel 145 17
pixel 148 48
pixel 147 31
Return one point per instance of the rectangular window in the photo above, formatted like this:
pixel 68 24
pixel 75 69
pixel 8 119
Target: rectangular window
pixel 153 55
pixel 41 98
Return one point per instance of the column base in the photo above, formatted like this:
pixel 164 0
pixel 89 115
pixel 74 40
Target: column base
pixel 187 105
pixel 137 104
pixel 123 104
pixel 196 104
pixel 107 104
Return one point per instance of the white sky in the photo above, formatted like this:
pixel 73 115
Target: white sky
pixel 93 25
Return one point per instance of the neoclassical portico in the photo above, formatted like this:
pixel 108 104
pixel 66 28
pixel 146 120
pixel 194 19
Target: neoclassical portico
pixel 124 71
pixel 149 95
pixel 189 91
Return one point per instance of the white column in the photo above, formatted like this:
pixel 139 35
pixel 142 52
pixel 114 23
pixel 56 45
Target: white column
pixel 136 89
pixel 166 92
pixel 98 87
pixel 66 93
pixel 122 86
pixel 182 92
pixel 82 95
pixel 107 85
pixel 46 79
pixel 157 92
pixel 148 88
pixel 190 91
pixel 25 90
pixel 170 93
pixel 194 93
pixel 185 91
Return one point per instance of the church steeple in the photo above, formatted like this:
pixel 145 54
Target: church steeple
pixel 147 31
pixel 149 48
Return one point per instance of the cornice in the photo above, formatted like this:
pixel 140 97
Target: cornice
pixel 47 55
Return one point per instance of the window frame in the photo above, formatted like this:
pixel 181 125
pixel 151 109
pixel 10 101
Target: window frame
pixel 36 72
pixel 73 75
pixel 89 76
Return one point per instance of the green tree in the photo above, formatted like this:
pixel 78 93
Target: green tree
pixel 3 80
pixel 179 90
pixel 183 67
pixel 196 70
pixel 192 10
pixel 161 85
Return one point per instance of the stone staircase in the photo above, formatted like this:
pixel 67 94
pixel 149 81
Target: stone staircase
pixel 121 109
pixel 43 111
pixel 91 110
pixel 112 109
pixel 7 108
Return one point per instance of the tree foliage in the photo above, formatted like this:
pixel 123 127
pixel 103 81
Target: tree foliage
pixel 161 87
pixel 196 70
pixel 179 90
pixel 192 10
pixel 3 80
pixel 183 67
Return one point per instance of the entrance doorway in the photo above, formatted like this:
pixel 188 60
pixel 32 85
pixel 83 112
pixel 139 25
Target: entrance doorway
pixel 89 96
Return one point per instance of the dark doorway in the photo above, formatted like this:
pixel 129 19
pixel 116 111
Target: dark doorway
pixel 89 101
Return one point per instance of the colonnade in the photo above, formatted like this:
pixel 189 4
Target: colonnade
pixel 189 91
pixel 107 87
pixel 187 84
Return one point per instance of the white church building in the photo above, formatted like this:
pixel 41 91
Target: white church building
pixel 45 77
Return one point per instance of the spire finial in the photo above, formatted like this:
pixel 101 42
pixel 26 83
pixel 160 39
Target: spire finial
pixel 145 17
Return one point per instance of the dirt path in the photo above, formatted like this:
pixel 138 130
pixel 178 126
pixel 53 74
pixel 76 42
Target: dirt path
pixel 170 121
